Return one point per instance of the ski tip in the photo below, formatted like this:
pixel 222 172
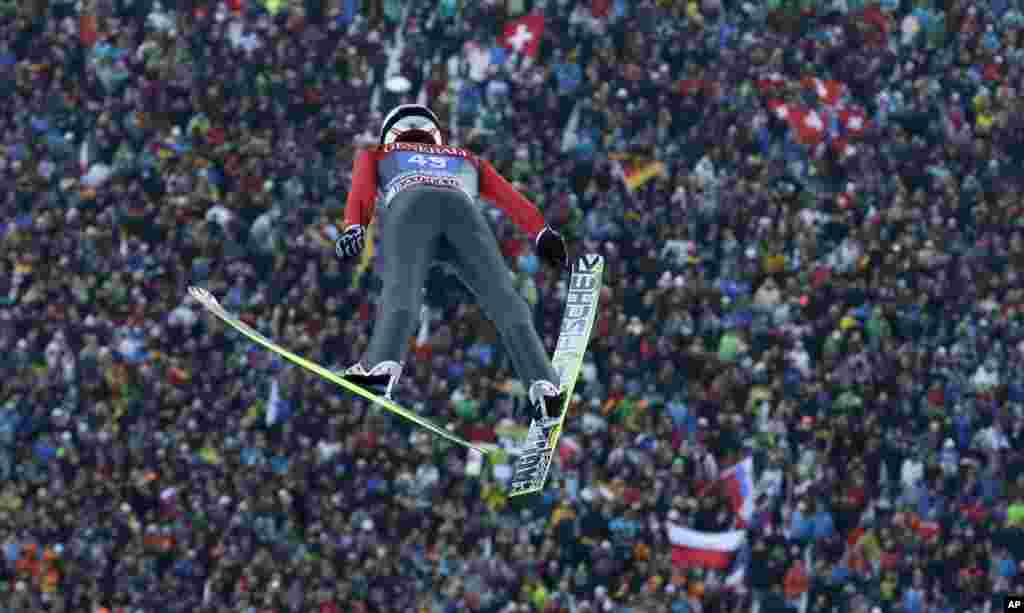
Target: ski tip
pixel 589 262
pixel 526 492
pixel 201 294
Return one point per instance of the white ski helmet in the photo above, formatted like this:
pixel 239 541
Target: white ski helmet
pixel 411 120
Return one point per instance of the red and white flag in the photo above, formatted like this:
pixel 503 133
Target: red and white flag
pixel 691 548
pixel 829 92
pixel 808 126
pixel 841 147
pixel 778 108
pixel 83 157
pixel 738 480
pixel 523 35
pixel 771 83
pixel 854 120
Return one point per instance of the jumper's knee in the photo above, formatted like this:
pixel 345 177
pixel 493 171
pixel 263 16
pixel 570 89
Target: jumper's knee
pixel 402 317
pixel 401 296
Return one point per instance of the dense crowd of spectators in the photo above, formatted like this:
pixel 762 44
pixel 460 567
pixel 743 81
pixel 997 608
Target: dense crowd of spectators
pixel 841 300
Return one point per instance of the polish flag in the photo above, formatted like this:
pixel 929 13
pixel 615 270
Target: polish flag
pixel 739 487
pixel 523 35
pixel 703 549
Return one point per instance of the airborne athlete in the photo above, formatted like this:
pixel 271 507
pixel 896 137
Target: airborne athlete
pixel 426 194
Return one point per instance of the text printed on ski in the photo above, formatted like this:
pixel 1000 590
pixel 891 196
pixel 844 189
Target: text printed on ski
pixel 531 469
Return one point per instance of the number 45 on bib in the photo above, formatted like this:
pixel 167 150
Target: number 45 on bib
pixel 581 304
pixel 429 161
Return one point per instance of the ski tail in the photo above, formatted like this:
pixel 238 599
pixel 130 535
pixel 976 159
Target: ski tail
pixel 581 304
pixel 210 303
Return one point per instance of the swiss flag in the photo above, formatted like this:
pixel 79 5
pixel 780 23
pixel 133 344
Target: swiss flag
pixel 523 35
pixel 808 126
pixel 854 121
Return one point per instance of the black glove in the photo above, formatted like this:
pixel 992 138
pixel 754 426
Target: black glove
pixel 351 242
pixel 551 247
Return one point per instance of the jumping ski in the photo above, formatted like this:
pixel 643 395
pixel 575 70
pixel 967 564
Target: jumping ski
pixel 210 303
pixel 534 462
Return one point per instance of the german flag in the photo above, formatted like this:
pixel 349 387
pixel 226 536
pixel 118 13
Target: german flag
pixel 637 171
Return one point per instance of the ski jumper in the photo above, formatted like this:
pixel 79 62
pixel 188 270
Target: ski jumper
pixel 425 194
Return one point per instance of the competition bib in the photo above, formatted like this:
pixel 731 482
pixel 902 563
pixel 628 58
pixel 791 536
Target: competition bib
pixel 408 165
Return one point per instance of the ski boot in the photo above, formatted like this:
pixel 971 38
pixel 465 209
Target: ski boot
pixel 383 375
pixel 546 399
